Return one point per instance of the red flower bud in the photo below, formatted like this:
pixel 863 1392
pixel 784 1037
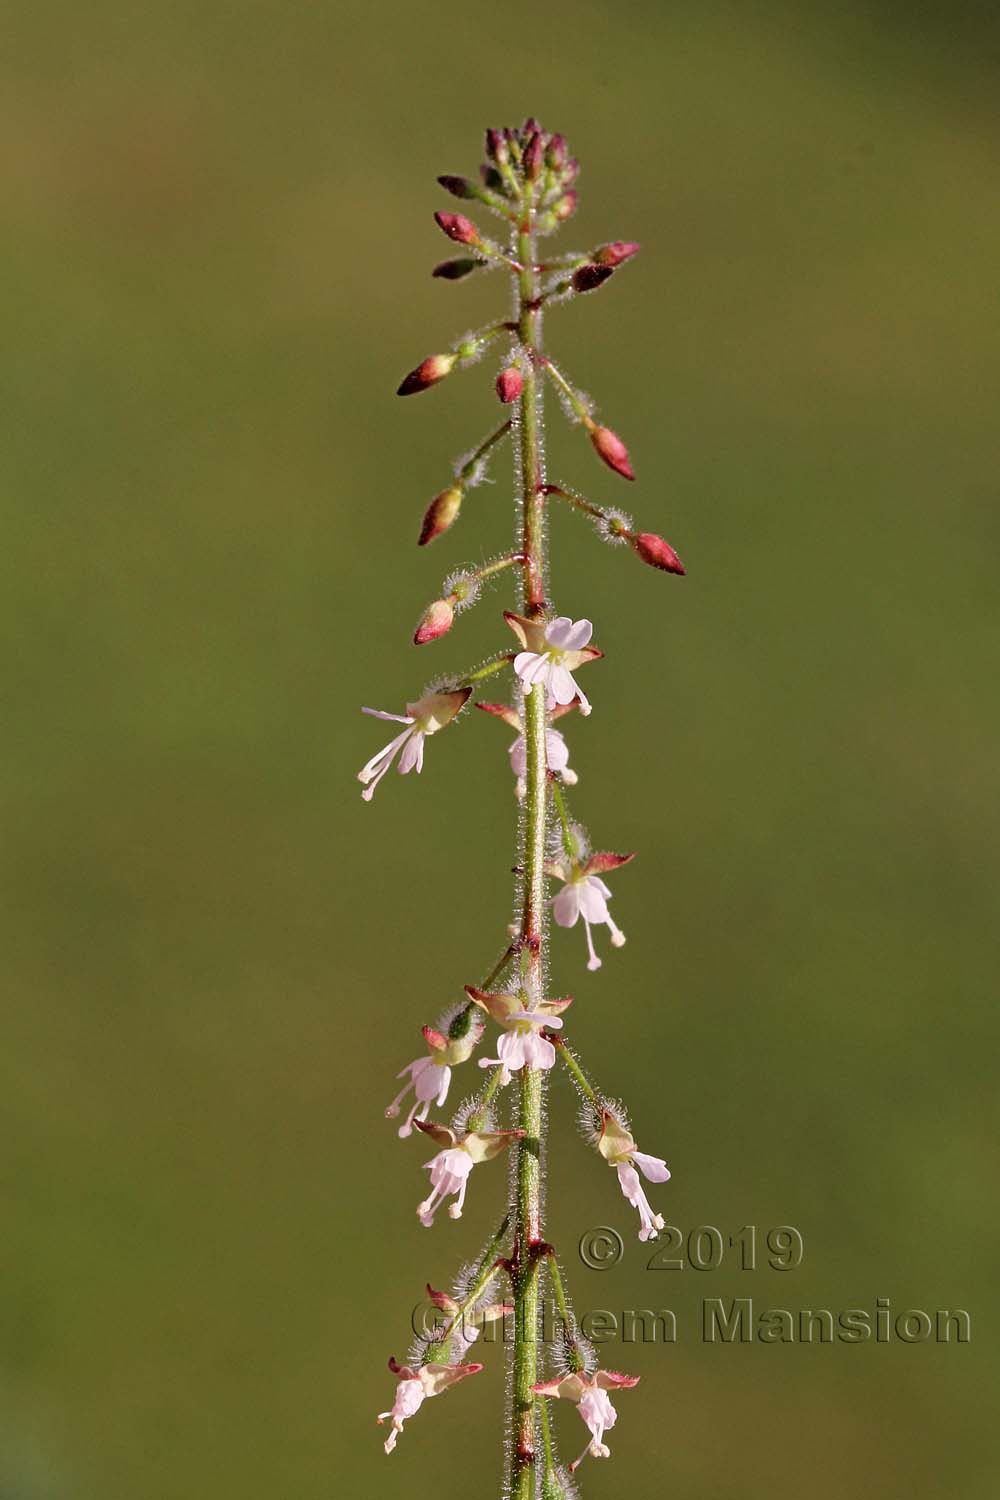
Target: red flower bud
pixel 458 187
pixel 436 620
pixel 555 152
pixel 510 383
pixel 609 447
pixel 440 514
pixel 458 227
pixel 454 270
pixel 530 127
pixel 434 368
pixel 534 153
pixel 566 206
pixel 589 278
pixel 616 252
pixel 492 179
pixel 496 146
pixel 655 551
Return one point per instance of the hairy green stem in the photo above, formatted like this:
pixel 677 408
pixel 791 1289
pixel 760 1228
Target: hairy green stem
pixel 567 1057
pixel 488 669
pixel 476 457
pixel 528 1205
pixel 569 839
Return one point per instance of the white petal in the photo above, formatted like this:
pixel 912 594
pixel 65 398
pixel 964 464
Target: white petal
pixel 577 636
pixel 562 688
pixel 408 759
pixel 539 1051
pixel 653 1168
pixel 566 906
pixel 556 751
pixel 591 901
pixel 558 631
pixel 379 762
pixel 532 668
pixel 536 1018
pixel 378 713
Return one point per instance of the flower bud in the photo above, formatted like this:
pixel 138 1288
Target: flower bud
pixel 454 270
pixel 510 383
pixel 434 368
pixel 440 514
pixel 533 155
pixel 530 127
pixel 436 620
pixel 491 178
pixel 615 253
pixel 655 551
pixel 609 447
pixel 589 278
pixel 458 187
pixel 496 147
pixel 565 208
pixel 458 227
pixel 555 152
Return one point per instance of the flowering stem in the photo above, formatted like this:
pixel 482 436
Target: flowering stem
pixel 568 837
pixel 550 1458
pixel 488 669
pixel 488 569
pixel 572 1350
pixel 577 500
pixel 477 1119
pixel 572 395
pixel 528 1228
pixel 476 457
pixel 498 967
pixel 566 1056
pixel 490 1270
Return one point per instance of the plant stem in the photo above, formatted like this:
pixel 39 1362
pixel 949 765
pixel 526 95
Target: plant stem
pixel 568 837
pixel 528 1211
pixel 567 1057
pixel 488 669
pixel 480 453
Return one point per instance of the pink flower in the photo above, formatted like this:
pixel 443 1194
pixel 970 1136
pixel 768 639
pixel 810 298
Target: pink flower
pixel 522 1045
pixel 590 1393
pixel 585 894
pixel 451 1167
pixel 413 1389
pixel 556 748
pixel 552 653
pixel 423 718
pixel 429 1077
pixel 618 1148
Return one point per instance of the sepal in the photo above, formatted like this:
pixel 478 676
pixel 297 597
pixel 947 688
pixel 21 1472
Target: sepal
pixel 615 1143
pixel 603 860
pixel 440 514
pixel 617 252
pixel 656 552
pixel 436 620
pixel 430 370
pixel 611 450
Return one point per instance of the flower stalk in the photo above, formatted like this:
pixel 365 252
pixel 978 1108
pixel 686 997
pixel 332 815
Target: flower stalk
pixel 528 180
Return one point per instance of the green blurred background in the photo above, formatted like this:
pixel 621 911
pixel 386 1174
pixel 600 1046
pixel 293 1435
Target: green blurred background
pixel 216 238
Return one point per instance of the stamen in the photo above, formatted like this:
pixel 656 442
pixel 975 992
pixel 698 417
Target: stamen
pixel 593 961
